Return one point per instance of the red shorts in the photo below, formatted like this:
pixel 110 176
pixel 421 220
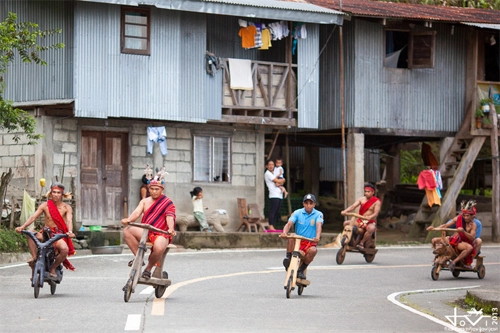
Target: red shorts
pixel 306 245
pixel 153 236
pixel 364 225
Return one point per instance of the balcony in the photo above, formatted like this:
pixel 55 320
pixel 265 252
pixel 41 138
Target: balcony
pixel 272 101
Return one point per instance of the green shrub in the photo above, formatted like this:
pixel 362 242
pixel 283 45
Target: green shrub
pixel 11 241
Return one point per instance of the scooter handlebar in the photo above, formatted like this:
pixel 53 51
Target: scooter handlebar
pixel 149 227
pixel 295 236
pixel 52 240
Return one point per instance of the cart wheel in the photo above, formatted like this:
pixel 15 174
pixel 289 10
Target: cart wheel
pixel 481 271
pixel 369 257
pixel 340 256
pixel 300 290
pixel 128 290
pixel 455 273
pixel 289 285
pixel 159 291
pixel 36 284
pixel 53 286
pixel 434 273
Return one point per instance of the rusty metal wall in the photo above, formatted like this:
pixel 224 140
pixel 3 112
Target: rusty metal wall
pixel 32 82
pixel 403 99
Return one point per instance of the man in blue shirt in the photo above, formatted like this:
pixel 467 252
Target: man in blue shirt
pixel 308 223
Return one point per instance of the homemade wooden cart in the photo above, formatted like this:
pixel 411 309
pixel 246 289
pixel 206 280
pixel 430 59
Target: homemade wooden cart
pixel 349 241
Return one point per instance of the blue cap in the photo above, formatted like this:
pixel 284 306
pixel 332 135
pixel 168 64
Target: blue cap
pixel 309 197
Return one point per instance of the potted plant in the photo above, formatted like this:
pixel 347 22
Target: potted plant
pixel 485 105
pixel 479 117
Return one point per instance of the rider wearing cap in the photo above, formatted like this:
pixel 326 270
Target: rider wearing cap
pixel 308 223
pixel 369 207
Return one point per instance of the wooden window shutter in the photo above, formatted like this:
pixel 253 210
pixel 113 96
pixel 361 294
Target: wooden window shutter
pixel 421 49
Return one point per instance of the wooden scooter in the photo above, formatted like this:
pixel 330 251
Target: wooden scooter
pixel 350 239
pixel 46 255
pixel 444 254
pixel 159 278
pixel 291 280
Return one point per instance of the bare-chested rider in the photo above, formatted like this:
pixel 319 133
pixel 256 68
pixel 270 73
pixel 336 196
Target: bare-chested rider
pixel 369 206
pixel 463 240
pixel 59 218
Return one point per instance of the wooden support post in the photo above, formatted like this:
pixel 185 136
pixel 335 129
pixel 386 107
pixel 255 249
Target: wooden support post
pixel 12 212
pixel 495 168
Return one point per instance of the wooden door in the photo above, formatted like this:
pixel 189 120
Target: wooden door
pixel 103 177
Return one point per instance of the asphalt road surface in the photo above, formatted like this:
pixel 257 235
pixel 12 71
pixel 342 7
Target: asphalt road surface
pixel 239 291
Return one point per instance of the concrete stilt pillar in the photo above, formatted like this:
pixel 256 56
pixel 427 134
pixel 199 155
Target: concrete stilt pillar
pixel 311 170
pixel 355 166
pixel 393 164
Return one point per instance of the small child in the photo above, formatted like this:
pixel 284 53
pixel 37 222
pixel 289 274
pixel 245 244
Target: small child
pixel 279 172
pixel 199 214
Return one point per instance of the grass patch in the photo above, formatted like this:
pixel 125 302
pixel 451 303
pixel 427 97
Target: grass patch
pixel 11 241
pixel 470 302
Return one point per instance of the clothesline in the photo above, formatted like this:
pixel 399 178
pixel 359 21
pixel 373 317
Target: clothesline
pixel 259 35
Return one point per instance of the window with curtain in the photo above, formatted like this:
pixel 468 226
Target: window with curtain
pixel 211 158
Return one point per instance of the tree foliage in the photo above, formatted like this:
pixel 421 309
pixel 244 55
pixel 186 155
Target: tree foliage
pixel 483 4
pixel 20 38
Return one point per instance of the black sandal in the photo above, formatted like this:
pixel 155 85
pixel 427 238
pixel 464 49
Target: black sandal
pixel 146 275
pixel 131 262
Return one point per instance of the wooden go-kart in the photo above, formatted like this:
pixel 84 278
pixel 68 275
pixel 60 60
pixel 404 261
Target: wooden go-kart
pixel 445 253
pixel 291 280
pixel 159 278
pixel 350 239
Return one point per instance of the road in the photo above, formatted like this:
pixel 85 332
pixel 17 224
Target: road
pixel 236 291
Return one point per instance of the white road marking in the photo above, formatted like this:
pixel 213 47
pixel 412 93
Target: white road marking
pixel 147 291
pixel 133 322
pixel 392 297
pixel 158 307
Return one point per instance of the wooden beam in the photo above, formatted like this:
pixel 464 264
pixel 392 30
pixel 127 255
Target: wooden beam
pixel 272 146
pixel 284 78
pixel 495 168
pixel 448 204
pixel 257 120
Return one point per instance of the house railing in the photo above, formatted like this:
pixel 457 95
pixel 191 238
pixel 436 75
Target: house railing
pixel 271 101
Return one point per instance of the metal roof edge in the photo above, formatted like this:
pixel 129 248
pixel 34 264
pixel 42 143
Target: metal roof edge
pixel 43 102
pixel 265 9
pixel 483 25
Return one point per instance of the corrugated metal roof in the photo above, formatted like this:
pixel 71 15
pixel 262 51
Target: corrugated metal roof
pixel 484 25
pixel 299 5
pixel 288 10
pixel 381 9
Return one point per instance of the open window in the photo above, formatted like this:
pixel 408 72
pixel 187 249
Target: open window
pixel 409 49
pixel 135 30
pixel 489 56
pixel 211 161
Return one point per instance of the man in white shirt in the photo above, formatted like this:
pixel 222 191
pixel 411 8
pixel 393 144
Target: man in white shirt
pixel 275 195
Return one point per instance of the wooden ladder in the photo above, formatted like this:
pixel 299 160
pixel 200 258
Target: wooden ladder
pixel 456 165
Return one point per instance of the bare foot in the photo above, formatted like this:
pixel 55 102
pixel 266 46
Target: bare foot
pixel 52 273
pixel 271 227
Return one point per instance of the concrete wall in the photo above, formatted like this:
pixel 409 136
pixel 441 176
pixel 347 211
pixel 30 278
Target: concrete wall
pixel 58 155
